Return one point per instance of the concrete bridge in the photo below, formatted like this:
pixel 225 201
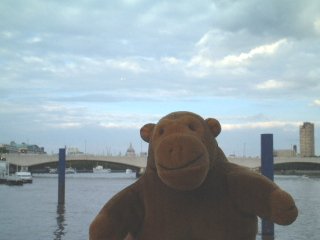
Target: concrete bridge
pixel 29 160
pixel 255 163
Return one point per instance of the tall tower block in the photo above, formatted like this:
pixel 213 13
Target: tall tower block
pixel 307 140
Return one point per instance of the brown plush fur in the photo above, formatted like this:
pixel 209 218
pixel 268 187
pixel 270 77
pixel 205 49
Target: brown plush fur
pixel 190 190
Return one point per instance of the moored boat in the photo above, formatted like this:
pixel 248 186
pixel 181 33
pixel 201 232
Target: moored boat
pixel 53 170
pixel 70 170
pixel 6 178
pixel 100 169
pixel 26 177
pixel 14 180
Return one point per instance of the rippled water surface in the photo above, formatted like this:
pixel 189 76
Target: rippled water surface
pixel 30 212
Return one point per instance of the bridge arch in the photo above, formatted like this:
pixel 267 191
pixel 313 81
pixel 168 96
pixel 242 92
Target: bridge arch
pixel 84 165
pixel 84 162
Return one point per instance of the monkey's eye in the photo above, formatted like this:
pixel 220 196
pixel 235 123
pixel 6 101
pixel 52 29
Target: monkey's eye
pixel 192 126
pixel 161 131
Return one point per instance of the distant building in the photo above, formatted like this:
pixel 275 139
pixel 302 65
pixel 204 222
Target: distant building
pixel 73 151
pixel 130 151
pixel 143 154
pixel 14 147
pixel 307 140
pixel 284 153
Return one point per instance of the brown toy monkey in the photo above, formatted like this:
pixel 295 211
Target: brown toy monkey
pixel 190 190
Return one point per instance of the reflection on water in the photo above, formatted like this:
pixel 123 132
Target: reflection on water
pixel 86 194
pixel 60 230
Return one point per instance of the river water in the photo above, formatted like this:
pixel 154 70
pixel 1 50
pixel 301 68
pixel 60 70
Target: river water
pixel 30 212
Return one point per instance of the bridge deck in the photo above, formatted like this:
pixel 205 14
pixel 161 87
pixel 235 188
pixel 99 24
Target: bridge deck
pixel 139 162
pixel 36 159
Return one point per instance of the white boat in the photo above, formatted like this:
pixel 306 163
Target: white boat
pixel 70 170
pixel 100 169
pixel 13 180
pixel 26 177
pixel 53 170
pixel 128 171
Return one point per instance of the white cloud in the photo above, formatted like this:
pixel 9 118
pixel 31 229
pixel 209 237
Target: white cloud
pixel 65 125
pixel 201 59
pixel 71 66
pixel 125 120
pixel 34 40
pixel 316 102
pixel 11 108
pixel 7 34
pixel 261 125
pixel 243 58
pixel 204 62
pixel 97 64
pixel 234 60
pixel 170 60
pixel 316 25
pixel 33 60
pixel 207 38
pixel 270 85
pixel 125 64
pixel 132 2
pixel 53 107
pixel 122 125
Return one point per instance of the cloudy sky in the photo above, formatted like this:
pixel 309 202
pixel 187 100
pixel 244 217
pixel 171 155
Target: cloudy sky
pixel 89 73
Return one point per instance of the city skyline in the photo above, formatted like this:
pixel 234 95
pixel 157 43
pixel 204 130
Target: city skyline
pixel 91 73
pixel 306 147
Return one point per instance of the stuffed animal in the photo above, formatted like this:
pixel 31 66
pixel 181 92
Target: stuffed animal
pixel 190 190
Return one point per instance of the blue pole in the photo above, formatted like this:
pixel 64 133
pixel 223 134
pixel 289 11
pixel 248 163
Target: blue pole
pixel 267 170
pixel 61 172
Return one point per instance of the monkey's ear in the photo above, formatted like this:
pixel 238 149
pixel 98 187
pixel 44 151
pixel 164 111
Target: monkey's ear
pixel 146 131
pixel 214 126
